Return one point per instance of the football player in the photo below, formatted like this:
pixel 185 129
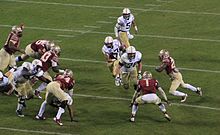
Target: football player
pixel 49 60
pixel 11 46
pixel 111 50
pixel 20 79
pixel 168 64
pixel 127 67
pixel 35 50
pixel 59 87
pixel 146 93
pixel 123 27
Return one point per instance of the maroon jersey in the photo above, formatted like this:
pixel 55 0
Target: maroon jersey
pixel 147 86
pixel 39 45
pixel 170 64
pixel 49 59
pixel 12 37
pixel 65 81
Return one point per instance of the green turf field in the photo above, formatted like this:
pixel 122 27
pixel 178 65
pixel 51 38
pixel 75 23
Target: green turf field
pixel 189 29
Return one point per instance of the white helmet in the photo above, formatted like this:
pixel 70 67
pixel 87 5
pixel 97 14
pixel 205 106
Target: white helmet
pixel 131 49
pixel 37 62
pixel 108 41
pixel 126 13
pixel 28 66
pixel 131 52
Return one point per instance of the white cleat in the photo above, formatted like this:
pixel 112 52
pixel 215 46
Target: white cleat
pixel 184 98
pixel 199 91
pixel 132 119
pixel 117 81
pixel 167 117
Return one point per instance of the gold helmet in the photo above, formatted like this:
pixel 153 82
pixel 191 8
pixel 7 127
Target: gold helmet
pixel 147 74
pixel 163 54
pixel 68 72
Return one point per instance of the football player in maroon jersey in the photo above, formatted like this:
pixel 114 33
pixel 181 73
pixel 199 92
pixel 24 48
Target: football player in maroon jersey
pixel 168 64
pixel 146 93
pixel 59 87
pixel 49 60
pixel 11 46
pixel 35 50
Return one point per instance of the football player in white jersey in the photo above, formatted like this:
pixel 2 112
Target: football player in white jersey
pixel 127 67
pixel 111 50
pixel 20 79
pixel 123 27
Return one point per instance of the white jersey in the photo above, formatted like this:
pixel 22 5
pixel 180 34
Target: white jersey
pixel 129 64
pixel 21 75
pixel 4 81
pixel 114 52
pixel 125 24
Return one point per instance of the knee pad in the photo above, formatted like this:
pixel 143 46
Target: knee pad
pixel 63 104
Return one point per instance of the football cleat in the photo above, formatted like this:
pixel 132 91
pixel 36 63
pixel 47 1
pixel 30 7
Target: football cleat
pixel 199 91
pixel 167 117
pixel 132 119
pixel 37 117
pixel 19 113
pixel 117 81
pixel 184 98
pixel 58 121
pixel 37 94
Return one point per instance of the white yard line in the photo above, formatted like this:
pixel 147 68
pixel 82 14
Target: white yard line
pixel 89 26
pixel 152 66
pixel 164 1
pixel 34 131
pixel 127 99
pixel 151 5
pixel 68 36
pixel 111 33
pixel 113 7
pixel 104 22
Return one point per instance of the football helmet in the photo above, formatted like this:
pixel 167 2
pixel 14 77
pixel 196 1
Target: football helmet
pixel 18 30
pixel 147 74
pixel 126 13
pixel 131 51
pixel 28 66
pixel 68 72
pixel 49 45
pixel 37 63
pixel 108 42
pixel 56 49
pixel 163 54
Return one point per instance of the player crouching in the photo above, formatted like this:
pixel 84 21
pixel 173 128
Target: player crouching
pixel 59 87
pixel 146 93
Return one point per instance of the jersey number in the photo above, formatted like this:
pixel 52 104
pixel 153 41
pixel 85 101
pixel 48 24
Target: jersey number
pixel 45 57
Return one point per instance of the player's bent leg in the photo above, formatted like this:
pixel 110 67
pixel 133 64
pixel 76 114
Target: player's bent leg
pixel 125 80
pixel 61 110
